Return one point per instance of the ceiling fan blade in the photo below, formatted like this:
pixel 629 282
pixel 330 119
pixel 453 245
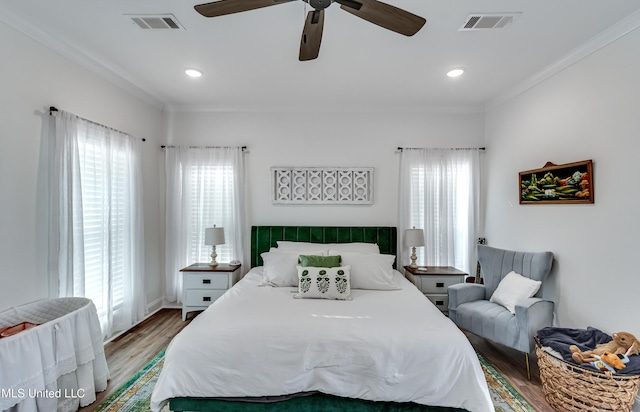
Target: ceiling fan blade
pixel 223 7
pixel 384 15
pixel 311 35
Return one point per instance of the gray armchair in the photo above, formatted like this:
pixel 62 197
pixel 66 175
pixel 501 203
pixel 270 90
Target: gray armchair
pixel 470 309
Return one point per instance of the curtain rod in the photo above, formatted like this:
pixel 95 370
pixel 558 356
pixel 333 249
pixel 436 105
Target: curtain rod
pixel 204 147
pixel 53 109
pixel 400 149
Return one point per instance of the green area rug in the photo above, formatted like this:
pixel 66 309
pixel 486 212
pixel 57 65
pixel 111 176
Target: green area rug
pixel 136 393
pixel 504 396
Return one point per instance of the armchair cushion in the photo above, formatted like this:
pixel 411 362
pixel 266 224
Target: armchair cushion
pixel 513 288
pixel 489 320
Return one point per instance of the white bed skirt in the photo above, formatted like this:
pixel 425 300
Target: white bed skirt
pixel 57 366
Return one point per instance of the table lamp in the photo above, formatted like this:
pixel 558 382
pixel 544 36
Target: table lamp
pixel 413 237
pixel 213 236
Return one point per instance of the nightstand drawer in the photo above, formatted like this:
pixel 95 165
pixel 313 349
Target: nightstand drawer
pixel 437 284
pixel 434 281
pixel 441 301
pixel 206 281
pixel 198 297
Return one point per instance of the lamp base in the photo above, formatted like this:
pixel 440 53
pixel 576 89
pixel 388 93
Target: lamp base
pixel 214 255
pixel 413 264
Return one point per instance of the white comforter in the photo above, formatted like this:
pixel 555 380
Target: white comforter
pixel 382 346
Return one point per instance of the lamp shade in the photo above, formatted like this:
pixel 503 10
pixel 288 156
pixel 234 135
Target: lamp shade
pixel 214 236
pixel 414 237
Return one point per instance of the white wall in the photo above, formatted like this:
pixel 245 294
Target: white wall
pixel 32 78
pixel 353 139
pixel 590 110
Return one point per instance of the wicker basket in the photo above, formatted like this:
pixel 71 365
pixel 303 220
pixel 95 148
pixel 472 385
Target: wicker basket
pixel 570 387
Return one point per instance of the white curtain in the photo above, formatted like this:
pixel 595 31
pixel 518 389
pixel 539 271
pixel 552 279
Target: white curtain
pixel 440 193
pixel 205 187
pixel 96 234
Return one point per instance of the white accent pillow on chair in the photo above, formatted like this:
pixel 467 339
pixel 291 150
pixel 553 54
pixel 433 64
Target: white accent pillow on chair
pixel 512 288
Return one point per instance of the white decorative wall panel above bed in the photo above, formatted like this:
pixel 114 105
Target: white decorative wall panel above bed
pixel 322 185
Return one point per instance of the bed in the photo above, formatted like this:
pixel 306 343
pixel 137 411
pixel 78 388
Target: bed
pixel 259 345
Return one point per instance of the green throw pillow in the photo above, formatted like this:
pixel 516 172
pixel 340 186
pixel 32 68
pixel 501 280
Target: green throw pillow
pixel 319 261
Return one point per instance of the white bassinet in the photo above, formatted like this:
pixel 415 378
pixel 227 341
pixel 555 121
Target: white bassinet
pixel 56 366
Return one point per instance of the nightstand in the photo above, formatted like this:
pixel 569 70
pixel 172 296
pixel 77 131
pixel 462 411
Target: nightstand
pixel 433 281
pixel 202 284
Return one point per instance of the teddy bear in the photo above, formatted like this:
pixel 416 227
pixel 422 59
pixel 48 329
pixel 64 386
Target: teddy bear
pixel 610 362
pixel 622 343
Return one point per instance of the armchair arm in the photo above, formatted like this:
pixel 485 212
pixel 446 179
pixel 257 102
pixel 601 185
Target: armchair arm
pixel 464 292
pixel 532 314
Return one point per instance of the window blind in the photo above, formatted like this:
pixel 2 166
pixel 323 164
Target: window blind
pixel 213 202
pixel 440 203
pixel 103 225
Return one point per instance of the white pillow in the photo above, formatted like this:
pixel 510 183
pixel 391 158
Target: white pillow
pixel 356 247
pixel 323 283
pixel 513 288
pixel 280 267
pixel 306 247
pixel 369 271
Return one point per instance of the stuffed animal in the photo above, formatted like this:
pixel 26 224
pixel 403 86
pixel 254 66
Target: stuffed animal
pixel 622 343
pixel 610 362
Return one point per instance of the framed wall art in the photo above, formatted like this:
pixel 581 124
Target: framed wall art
pixel 322 185
pixel 567 183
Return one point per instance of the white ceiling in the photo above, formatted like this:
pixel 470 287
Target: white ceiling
pixel 250 59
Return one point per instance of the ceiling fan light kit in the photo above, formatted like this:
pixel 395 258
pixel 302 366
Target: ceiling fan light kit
pixel 381 14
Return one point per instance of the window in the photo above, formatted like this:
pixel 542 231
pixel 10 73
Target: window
pixel 205 187
pixel 95 219
pixel 211 205
pixel 440 195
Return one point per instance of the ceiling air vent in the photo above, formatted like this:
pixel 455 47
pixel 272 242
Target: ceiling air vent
pixel 155 21
pixel 483 21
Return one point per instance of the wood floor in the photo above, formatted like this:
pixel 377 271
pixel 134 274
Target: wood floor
pixel 130 352
pixel 127 354
pixel 512 366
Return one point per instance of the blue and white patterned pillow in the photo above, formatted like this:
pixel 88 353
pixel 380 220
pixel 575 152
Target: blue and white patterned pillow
pixel 324 283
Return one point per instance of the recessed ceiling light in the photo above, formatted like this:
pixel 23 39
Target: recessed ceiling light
pixel 193 73
pixel 458 71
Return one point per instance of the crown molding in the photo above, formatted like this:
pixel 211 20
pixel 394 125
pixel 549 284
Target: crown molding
pixel 274 108
pixel 608 36
pixel 94 64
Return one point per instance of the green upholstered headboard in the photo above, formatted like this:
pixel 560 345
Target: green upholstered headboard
pixel 265 237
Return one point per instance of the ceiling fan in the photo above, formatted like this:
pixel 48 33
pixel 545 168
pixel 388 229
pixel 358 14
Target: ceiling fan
pixel 373 11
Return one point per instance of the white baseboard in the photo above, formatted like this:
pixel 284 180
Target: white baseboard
pixel 171 305
pixel 154 306
pixel 162 305
pixel 133 326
